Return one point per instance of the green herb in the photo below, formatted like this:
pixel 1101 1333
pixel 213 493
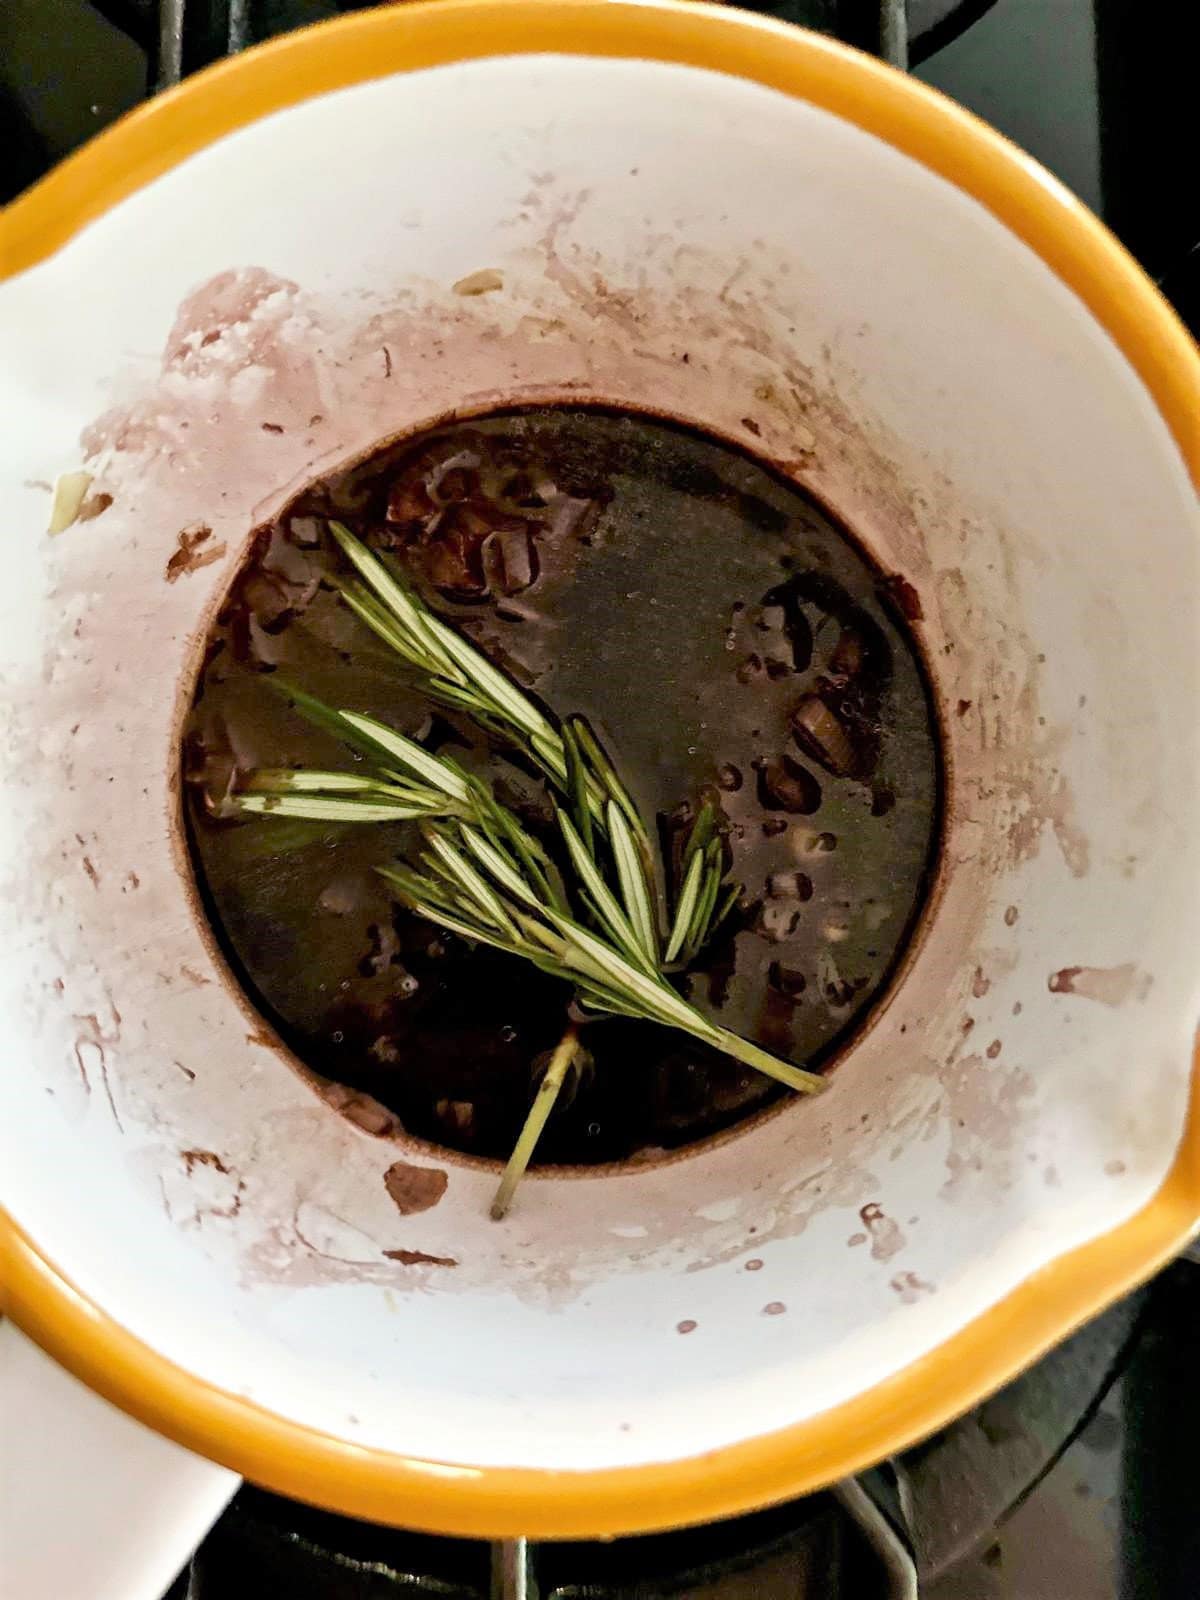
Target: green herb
pixel 543 1105
pixel 483 875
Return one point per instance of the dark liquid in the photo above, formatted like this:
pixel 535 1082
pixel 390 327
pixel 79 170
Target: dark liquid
pixel 725 638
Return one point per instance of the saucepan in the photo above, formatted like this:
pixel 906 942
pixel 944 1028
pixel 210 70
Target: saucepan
pixel 443 208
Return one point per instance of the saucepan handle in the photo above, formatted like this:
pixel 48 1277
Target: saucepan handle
pixel 93 1506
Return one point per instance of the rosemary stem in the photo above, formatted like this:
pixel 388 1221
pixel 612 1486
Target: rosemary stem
pixel 543 1104
pixel 762 1061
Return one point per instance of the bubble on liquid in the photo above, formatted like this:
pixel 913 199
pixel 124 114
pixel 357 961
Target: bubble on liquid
pixel 813 844
pixel 824 736
pixel 508 1033
pixel 778 919
pixel 785 785
pixel 787 981
pixel 790 885
pixel 338 1036
pixel 837 991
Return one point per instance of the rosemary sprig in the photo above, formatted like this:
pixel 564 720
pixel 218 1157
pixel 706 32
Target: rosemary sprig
pixel 449 666
pixel 337 796
pixel 483 875
pixel 455 672
pixel 498 904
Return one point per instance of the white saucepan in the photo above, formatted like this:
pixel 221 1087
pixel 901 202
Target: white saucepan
pixel 678 208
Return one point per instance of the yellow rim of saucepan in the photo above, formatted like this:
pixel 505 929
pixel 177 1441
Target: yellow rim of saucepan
pixel 378 1484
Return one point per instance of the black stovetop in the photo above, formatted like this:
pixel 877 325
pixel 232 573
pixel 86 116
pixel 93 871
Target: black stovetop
pixel 1077 1482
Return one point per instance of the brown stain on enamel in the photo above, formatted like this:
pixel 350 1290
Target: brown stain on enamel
pixel 202 1158
pixel 910 1288
pixel 93 1046
pixel 190 554
pixel 414 1189
pixel 419 1258
pixel 363 1110
pixel 887 1237
pixel 906 597
pixel 1111 986
pixel 982 1109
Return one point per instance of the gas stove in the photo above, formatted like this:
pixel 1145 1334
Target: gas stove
pixel 1077 1481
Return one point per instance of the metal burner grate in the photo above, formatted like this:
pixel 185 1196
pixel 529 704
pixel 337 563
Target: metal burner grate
pixel 828 1545
pixel 181 36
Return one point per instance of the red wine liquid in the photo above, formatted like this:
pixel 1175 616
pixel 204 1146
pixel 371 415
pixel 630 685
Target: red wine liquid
pixel 728 641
